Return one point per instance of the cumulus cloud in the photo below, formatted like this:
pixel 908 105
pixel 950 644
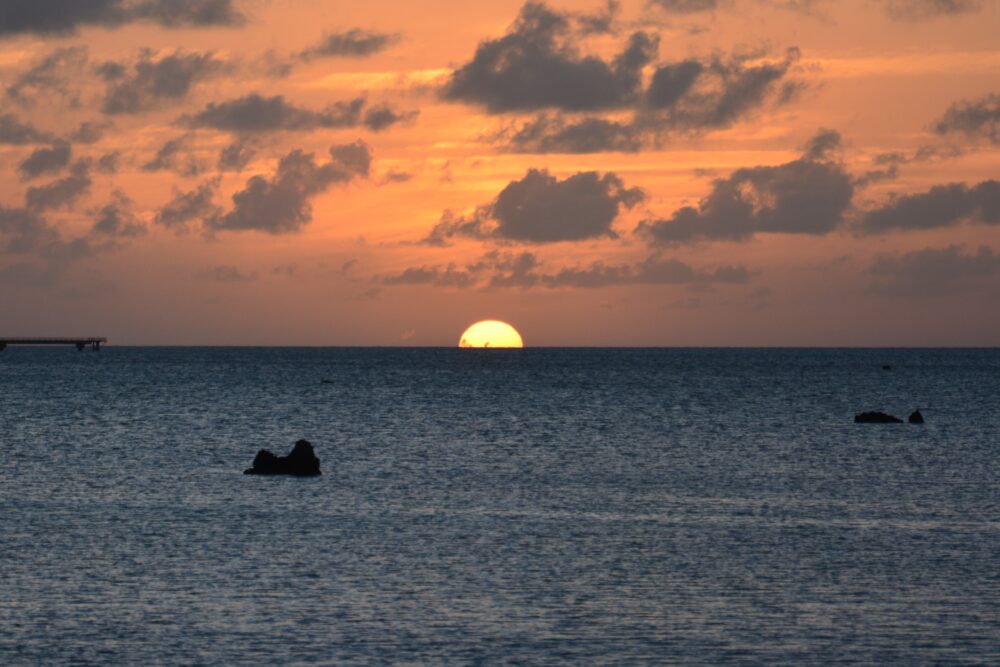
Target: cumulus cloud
pixel 116 219
pixel 151 80
pixel 941 206
pixel 915 10
pixel 281 204
pixel 53 73
pixel 536 66
pixel 685 6
pixel 227 274
pixel 15 132
pixel 45 161
pixel 62 192
pixel 805 196
pixel 540 208
pixel 498 270
pixel 45 17
pixel 935 271
pixel 976 119
pixel 254 114
pixel 185 207
pixel 167 158
pixel 353 43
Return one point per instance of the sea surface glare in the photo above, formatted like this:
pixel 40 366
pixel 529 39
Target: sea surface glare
pixel 536 506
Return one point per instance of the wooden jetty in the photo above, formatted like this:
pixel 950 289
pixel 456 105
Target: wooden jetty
pixel 81 342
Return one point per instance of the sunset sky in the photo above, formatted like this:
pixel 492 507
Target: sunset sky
pixel 661 172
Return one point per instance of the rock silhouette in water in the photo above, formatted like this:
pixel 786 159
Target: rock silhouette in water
pixel 916 417
pixel 876 418
pixel 301 461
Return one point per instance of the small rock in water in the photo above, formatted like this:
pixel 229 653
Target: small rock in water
pixel 916 417
pixel 876 418
pixel 887 367
pixel 301 461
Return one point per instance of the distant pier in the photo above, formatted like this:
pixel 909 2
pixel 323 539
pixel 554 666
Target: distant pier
pixel 81 342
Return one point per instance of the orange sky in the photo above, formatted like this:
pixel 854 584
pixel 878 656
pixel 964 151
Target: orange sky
pixel 674 172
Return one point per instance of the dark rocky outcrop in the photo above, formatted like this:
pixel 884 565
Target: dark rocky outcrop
pixel 301 461
pixel 916 417
pixel 876 418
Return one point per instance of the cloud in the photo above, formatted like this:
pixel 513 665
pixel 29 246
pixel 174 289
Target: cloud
pixel 62 192
pixel 804 196
pixel 688 96
pixel 45 161
pixel 383 116
pixel 941 206
pixel 536 66
pixel 14 132
pixel 654 270
pixel 55 73
pixel 975 119
pixel 90 131
pixel 227 274
pixel 166 158
pixel 152 81
pixel 353 43
pixel 254 113
pixel 281 204
pixel 554 134
pixel 46 17
pixel 116 219
pixel 540 208
pixel 934 271
pixel 686 6
pixel 185 207
pixel 916 10
pixel 504 270
pixel 237 155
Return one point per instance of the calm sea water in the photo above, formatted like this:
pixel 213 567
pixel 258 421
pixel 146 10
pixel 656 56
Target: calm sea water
pixel 499 507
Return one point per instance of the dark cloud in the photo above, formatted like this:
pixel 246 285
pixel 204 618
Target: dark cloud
pixel 805 196
pixel 654 270
pixel 116 219
pixel 601 21
pixel 935 271
pixel 499 270
pixel 227 274
pixel 62 16
pixel 150 81
pixel 45 161
pixel 692 95
pixel 55 72
pixel 383 116
pixel 90 131
pixel 281 204
pixel 555 134
pixel 256 114
pixel 687 96
pixel 185 207
pixel 975 119
pixel 540 208
pixel 62 192
pixel 354 43
pixel 915 10
pixel 536 66
pixel 14 132
pixel 108 163
pixel 823 145
pixel 941 206
pixel 237 155
pixel 685 6
pixel 166 158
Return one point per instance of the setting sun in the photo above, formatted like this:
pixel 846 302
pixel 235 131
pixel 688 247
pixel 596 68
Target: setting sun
pixel 491 333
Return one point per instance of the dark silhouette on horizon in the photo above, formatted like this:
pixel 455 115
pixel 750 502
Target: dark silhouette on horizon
pixel 301 462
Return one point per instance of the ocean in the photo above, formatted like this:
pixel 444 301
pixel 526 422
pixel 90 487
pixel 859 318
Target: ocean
pixel 531 507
